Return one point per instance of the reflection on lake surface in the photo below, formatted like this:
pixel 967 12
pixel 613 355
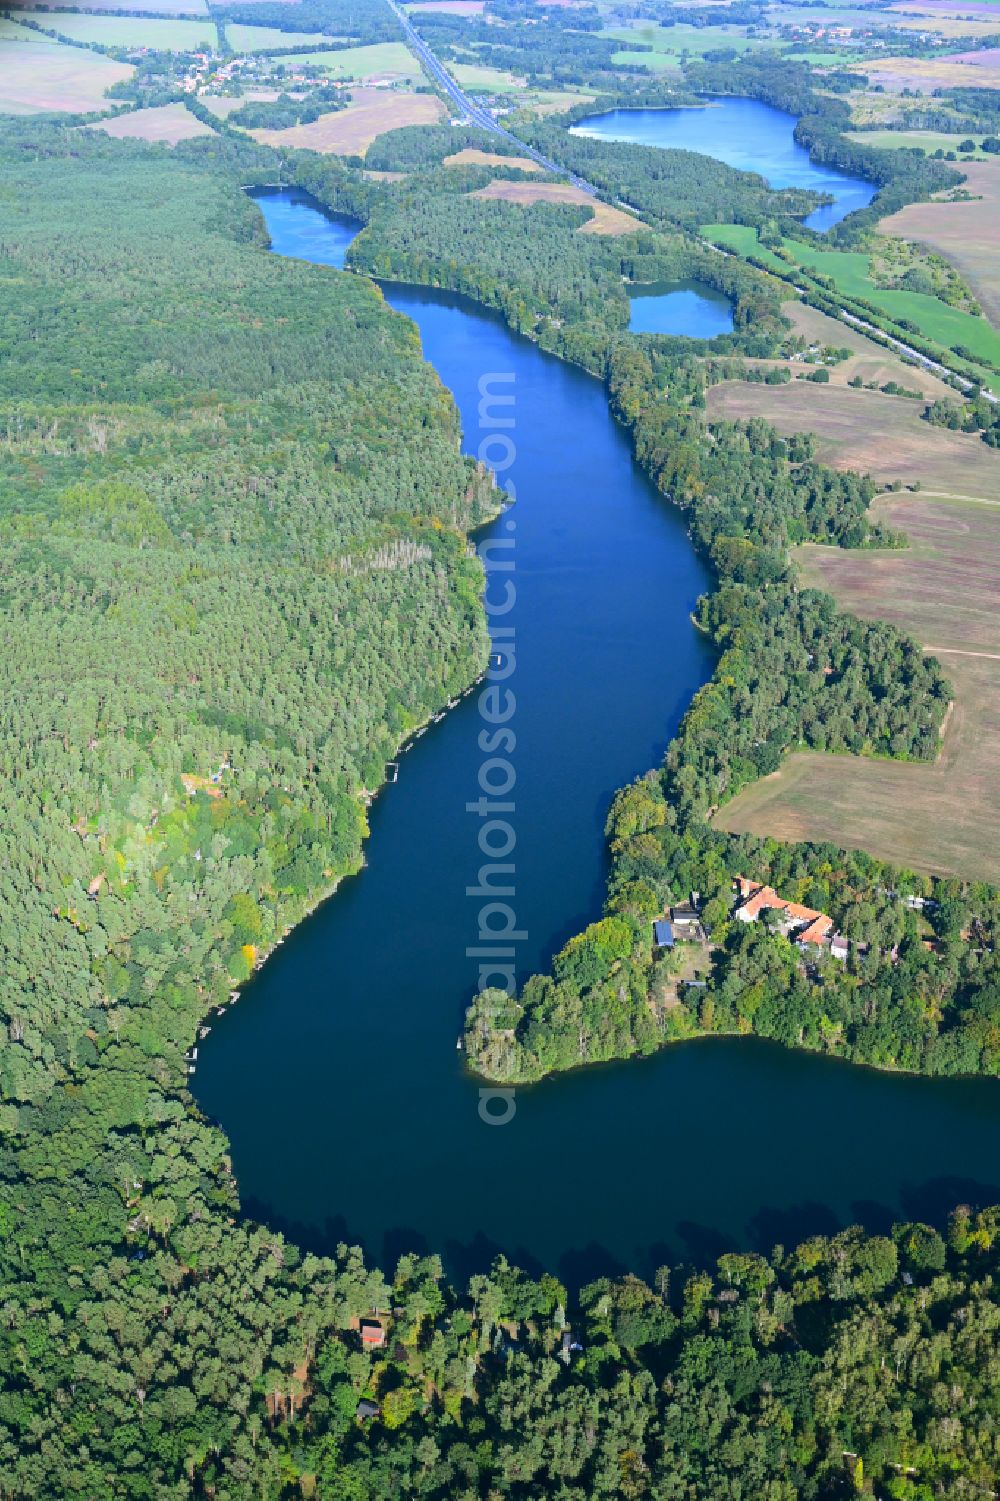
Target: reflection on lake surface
pixel 688 308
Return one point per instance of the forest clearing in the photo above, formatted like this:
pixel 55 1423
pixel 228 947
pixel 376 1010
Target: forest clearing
pixel 605 221
pixel 167 123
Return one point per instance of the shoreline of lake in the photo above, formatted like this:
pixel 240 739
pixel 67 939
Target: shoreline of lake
pixel 357 1020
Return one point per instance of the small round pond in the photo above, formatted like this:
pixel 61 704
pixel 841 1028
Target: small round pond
pixel 686 307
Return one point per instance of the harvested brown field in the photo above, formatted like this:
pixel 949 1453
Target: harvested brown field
pixel 350 131
pixel 949 27
pixel 883 436
pixel 606 220
pixel 167 123
pixel 925 74
pixel 471 157
pixel 968 234
pixel 222 105
pixel 945 8
pixel 945 589
pixel 45 75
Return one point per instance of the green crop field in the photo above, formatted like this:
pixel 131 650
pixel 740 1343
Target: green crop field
pixel 175 35
pixel 487 80
pixel 849 271
pixel 267 38
pixel 695 40
pixel 360 62
pixel 929 140
pixel 743 239
pixel 946 325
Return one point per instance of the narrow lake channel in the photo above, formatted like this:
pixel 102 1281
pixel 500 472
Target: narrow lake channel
pixel 337 1077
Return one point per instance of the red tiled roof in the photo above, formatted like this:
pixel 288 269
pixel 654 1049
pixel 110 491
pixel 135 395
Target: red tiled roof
pixel 757 899
pixel 818 930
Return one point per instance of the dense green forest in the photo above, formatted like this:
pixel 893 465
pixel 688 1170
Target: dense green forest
pixel 232 518
pixel 363 20
pixel 226 598
pixel 566 289
pixel 672 187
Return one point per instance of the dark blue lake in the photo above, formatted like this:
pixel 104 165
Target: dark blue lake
pixel 742 133
pixel 688 308
pixel 337 1077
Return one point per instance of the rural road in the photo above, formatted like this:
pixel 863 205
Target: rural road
pixel 475 113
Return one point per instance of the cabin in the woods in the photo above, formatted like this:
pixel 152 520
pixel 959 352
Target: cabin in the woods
pixel 366 1409
pixel 372 1334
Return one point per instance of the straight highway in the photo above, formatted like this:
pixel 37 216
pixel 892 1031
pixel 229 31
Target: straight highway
pixel 475 113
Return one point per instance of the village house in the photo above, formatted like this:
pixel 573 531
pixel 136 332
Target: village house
pixel 810 929
pixel 686 921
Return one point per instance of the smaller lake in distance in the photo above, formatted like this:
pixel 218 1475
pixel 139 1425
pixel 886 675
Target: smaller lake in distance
pixel 687 307
pixel 743 133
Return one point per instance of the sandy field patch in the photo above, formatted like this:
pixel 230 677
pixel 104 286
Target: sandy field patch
pixel 168 123
pixel 944 589
pixel 350 131
pixel 949 27
pixel 471 157
pixel 944 8
pixel 938 818
pixel 606 220
pixel 46 75
pixel 925 74
pixel 968 234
